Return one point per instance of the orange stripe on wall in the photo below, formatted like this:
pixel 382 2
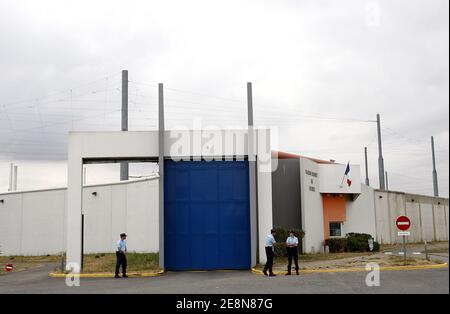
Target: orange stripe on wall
pixel 334 210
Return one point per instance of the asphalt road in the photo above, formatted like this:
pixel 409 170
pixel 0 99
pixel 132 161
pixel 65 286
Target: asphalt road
pixel 411 281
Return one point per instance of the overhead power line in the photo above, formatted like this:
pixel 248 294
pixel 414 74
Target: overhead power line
pixel 62 91
pixel 259 107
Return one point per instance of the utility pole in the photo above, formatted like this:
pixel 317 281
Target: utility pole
pixel 11 170
pixel 15 178
pixel 435 180
pixel 387 182
pixel 380 156
pixel 161 131
pixel 252 173
pixel 367 166
pixel 124 164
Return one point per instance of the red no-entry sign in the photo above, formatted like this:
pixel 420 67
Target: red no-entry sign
pixel 403 223
pixel 9 267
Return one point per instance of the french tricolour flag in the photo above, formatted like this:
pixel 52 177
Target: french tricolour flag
pixel 347 174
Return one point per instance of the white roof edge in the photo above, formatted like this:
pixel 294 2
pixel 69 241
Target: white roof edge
pixel 256 128
pixel 156 176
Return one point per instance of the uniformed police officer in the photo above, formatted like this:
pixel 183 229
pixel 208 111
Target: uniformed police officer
pixel 121 258
pixel 270 241
pixel 292 252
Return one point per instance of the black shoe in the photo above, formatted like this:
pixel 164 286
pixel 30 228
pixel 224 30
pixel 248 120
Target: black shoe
pixel 288 273
pixel 265 273
pixel 297 272
pixel 124 276
pixel 116 276
pixel 272 275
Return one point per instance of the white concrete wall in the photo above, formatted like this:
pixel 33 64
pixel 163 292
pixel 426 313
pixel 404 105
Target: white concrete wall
pixel 446 221
pixel 382 215
pixel 43 222
pixel 413 211
pixel 426 211
pixel 361 213
pixel 440 223
pixel 33 223
pixel 397 207
pixel 143 216
pixel 11 224
pixel 97 219
pixel 429 216
pixel 312 207
pixel 388 206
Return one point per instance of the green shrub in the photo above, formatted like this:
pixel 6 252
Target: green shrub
pixel 376 246
pixel 355 245
pixel 358 242
pixel 359 236
pixel 353 242
pixel 337 245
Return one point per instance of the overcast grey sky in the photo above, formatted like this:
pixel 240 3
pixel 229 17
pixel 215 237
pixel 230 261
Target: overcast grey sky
pixel 320 69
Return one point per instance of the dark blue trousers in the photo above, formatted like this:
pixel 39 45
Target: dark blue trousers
pixel 121 260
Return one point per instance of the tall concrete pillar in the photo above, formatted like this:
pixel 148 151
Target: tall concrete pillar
pixel 380 156
pixel 435 180
pixel 161 129
pixel 11 177
pixel 14 181
pixel 252 176
pixel 367 166
pixel 124 124
pixel 387 181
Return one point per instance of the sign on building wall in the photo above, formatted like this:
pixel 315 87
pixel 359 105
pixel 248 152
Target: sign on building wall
pixel 313 175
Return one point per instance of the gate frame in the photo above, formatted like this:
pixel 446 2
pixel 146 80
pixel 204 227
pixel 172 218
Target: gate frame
pixel 140 146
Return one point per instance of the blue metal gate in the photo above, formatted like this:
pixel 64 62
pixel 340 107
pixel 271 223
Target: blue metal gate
pixel 207 215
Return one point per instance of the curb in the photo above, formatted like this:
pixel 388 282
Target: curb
pixel 355 269
pixel 109 275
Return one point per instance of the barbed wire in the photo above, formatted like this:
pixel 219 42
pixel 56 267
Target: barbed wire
pixel 75 107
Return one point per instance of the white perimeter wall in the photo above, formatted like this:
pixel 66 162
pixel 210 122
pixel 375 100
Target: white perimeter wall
pixel 33 223
pixel 429 216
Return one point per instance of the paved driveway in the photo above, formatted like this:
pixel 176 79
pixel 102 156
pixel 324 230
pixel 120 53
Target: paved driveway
pixel 414 281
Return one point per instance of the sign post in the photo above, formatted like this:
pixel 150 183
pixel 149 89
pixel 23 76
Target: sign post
pixel 403 223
